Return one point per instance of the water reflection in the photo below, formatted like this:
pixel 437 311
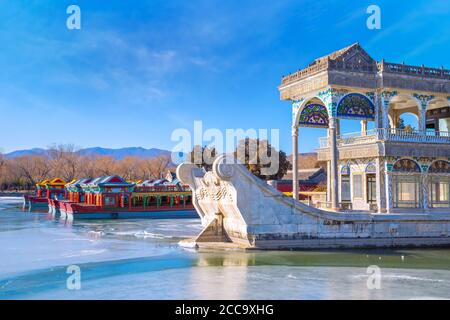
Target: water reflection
pixel 426 259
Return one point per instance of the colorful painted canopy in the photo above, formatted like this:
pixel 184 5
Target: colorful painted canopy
pixel 314 115
pixel 356 106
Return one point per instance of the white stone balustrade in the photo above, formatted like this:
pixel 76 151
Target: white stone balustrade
pixel 390 134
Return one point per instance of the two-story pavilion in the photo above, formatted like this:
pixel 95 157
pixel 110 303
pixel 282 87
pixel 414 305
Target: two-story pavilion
pixel 385 169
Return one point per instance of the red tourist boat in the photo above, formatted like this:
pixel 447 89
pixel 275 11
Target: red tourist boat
pixel 74 194
pixel 114 197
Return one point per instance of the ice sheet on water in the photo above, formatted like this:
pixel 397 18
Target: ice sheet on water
pixel 4 201
pixel 401 277
pixel 168 281
pixel 38 241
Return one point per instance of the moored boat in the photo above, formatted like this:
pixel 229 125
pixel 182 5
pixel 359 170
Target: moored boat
pixel 114 197
pixel 45 190
pixel 74 193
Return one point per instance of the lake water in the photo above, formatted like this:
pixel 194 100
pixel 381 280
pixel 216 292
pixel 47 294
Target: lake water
pixel 141 259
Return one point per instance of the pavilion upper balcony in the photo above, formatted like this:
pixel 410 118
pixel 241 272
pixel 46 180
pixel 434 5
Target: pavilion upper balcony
pixel 390 134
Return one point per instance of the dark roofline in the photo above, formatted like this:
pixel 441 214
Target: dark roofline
pixel 331 62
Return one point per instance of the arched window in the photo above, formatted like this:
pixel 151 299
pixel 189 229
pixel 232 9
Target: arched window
pixel 439 184
pixel 345 183
pixel 345 169
pixel 406 184
pixel 371 183
pixel 371 168
pixel 356 106
pixel 314 115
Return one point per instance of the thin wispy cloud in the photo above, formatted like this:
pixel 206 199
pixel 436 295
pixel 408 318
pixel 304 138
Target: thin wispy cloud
pixel 159 65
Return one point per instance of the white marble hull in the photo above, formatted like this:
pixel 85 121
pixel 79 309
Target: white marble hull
pixel 238 209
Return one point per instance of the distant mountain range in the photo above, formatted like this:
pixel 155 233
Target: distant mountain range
pixel 118 154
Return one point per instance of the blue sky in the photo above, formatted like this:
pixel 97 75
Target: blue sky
pixel 138 70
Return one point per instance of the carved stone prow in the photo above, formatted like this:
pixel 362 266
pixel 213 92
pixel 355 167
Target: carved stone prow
pixel 214 232
pixel 238 209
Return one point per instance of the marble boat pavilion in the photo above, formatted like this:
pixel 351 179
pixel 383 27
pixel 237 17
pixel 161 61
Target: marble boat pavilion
pixel 385 169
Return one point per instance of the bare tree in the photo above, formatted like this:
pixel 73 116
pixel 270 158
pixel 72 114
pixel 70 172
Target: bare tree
pixel 88 167
pixel 105 165
pixel 33 168
pixel 128 168
pixel 65 161
pixel 158 166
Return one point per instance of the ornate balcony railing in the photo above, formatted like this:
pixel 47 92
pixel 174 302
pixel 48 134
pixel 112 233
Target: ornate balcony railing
pixel 421 71
pixel 391 134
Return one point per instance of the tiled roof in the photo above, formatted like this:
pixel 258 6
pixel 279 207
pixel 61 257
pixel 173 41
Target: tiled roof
pixel 315 175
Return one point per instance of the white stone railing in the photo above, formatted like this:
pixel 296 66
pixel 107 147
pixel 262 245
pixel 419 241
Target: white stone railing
pixel 414 70
pixel 391 134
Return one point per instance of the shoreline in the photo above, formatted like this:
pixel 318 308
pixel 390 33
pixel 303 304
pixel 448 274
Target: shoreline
pixel 14 193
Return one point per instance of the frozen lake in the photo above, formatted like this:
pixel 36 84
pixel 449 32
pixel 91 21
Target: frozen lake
pixel 141 259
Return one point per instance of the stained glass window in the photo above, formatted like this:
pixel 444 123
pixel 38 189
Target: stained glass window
pixel 314 115
pixel 406 165
pixel 356 106
pixel 439 166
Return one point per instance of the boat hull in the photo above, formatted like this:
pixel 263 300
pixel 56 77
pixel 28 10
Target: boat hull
pixel 239 210
pixel 83 211
pixel 175 214
pixel 34 202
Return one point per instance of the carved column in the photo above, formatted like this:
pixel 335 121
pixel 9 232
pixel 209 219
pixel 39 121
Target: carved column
pixel 388 189
pixel 381 185
pixel 328 181
pixel 423 121
pixel 295 162
pixel 425 192
pixel 334 160
pixel 378 109
pixel 424 100
pixel 363 127
pixel 385 112
pixel 385 99
pixel 296 105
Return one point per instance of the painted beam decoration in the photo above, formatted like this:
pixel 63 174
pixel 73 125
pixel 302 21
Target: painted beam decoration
pixel 423 99
pixel 296 104
pixel 328 98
